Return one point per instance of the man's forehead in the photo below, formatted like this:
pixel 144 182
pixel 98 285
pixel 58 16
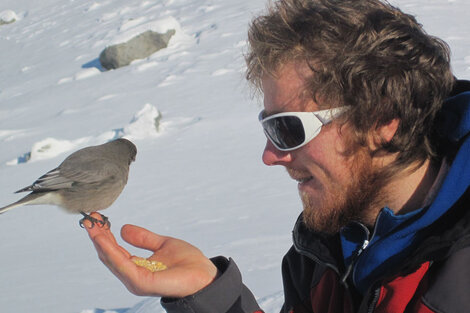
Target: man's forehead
pixel 286 92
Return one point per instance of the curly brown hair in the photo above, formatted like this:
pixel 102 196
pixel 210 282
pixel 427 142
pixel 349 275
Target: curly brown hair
pixel 364 54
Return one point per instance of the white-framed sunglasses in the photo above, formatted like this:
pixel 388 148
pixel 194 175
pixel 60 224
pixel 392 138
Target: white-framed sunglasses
pixel 291 130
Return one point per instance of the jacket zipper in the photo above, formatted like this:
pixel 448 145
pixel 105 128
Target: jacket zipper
pixel 374 301
pixel 353 262
pixel 366 242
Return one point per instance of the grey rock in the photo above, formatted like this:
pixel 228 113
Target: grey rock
pixel 139 47
pixel 7 17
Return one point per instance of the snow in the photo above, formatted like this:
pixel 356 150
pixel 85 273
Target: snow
pixel 198 174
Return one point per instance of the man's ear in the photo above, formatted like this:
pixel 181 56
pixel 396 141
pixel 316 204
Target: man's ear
pixel 384 133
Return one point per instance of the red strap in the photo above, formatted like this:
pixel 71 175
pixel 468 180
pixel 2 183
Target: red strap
pixel 396 295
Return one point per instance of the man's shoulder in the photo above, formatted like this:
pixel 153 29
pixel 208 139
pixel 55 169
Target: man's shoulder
pixel 449 283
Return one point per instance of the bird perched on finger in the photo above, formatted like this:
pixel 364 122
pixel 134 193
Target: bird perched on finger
pixel 88 180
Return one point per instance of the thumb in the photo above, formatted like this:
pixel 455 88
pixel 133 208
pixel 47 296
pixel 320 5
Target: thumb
pixel 142 238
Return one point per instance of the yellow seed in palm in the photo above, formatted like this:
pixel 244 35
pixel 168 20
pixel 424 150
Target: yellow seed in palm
pixel 151 265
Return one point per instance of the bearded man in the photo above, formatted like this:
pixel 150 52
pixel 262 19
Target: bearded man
pixel 362 109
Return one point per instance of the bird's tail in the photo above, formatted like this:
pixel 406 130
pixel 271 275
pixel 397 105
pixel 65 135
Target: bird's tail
pixel 28 199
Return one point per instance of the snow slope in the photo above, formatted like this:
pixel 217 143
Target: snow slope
pixel 197 177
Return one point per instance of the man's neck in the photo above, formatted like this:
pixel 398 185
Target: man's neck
pixel 409 190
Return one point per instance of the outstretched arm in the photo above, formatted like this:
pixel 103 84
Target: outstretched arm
pixel 190 283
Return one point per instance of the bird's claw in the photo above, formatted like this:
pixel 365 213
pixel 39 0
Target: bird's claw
pixel 104 222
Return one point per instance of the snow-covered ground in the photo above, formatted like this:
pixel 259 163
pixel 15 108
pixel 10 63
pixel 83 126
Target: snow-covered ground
pixel 199 178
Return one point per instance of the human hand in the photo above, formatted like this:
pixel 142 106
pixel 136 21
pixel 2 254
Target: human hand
pixel 188 270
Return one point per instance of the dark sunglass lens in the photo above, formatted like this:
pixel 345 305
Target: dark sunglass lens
pixel 286 131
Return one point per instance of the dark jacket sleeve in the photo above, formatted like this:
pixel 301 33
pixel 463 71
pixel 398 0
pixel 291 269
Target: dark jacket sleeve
pixel 226 294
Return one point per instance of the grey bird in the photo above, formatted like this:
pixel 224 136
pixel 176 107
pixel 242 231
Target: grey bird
pixel 88 180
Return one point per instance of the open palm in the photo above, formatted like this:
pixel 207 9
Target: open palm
pixel 188 270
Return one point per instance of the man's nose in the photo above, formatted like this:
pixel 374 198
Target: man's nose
pixel 273 156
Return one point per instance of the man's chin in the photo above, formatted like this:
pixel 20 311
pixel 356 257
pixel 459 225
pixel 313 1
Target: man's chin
pixel 321 218
pixel 321 225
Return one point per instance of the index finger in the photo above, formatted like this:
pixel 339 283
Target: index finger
pixel 116 258
pixel 96 231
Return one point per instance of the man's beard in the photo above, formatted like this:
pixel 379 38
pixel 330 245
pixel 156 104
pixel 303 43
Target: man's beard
pixel 359 201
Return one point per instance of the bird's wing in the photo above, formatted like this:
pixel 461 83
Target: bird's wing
pixel 68 173
pixel 52 180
